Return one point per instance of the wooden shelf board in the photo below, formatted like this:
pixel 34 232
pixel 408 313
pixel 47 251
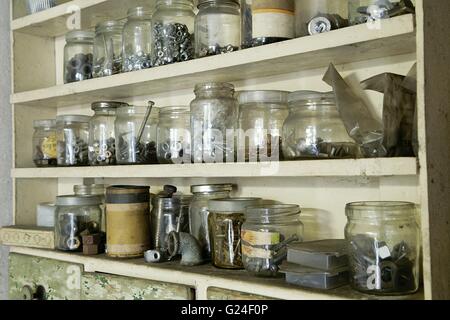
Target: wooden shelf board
pixel 357 43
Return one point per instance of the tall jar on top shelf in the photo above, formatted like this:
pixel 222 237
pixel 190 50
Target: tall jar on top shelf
pixel 78 56
pixel 108 49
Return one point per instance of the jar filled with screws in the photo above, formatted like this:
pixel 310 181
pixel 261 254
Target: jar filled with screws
pixel 225 220
pixel 214 114
pixel 73 139
pixel 267 231
pixel 383 243
pixel 44 143
pixel 137 40
pixel 261 118
pixel 217 27
pixel 76 216
pixel 174 135
pixel 136 130
pixel 102 141
pixel 78 56
pixel 108 49
pixel 315 130
pixel 173 32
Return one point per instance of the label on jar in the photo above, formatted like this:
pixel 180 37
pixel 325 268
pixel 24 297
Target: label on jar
pixel 256 252
pixel 273 19
pixel 257 238
pixel 48 146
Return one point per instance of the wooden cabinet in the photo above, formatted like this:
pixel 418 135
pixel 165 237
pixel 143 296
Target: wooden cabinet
pixel 223 294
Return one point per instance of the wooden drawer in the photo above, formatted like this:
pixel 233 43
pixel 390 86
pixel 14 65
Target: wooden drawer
pixel 97 286
pixel 223 294
pixel 61 280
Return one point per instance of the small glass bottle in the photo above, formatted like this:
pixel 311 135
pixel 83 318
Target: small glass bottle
pixel 44 143
pixel 137 40
pixel 73 139
pixel 108 49
pixel 217 27
pixel 78 56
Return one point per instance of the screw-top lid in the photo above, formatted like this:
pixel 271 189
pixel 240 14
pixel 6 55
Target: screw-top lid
pixel 214 86
pixel 205 188
pixel 93 189
pixel 108 105
pixel 232 205
pixel 73 118
pixel 165 111
pixel 50 123
pixel 139 12
pixel 383 210
pixel 80 35
pixel 110 24
pixel 310 96
pixel 202 2
pixel 78 200
pixel 263 96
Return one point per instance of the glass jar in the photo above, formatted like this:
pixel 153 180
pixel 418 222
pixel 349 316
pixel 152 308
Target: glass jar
pixel 34 6
pixel 383 241
pixel 108 49
pixel 93 190
pixel 217 27
pixel 102 141
pixel 225 220
pixel 314 128
pixel 44 143
pixel 267 231
pixel 174 135
pixel 173 31
pixel 261 118
pixel 76 215
pixel 78 56
pixel 137 40
pixel 318 16
pixel 213 112
pixel 136 135
pixel 362 11
pixel 199 211
pixel 73 138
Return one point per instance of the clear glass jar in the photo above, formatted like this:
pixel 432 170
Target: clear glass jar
pixel 137 40
pixel 78 56
pixel 361 11
pixel 318 16
pixel 173 31
pixel 261 118
pixel 108 49
pixel 73 138
pixel 267 231
pixel 217 27
pixel 199 211
pixel 383 247
pixel 75 215
pixel 315 130
pixel 213 112
pixel 102 139
pixel 130 123
pixel 93 190
pixel 174 135
pixel 225 220
pixel 34 6
pixel 44 143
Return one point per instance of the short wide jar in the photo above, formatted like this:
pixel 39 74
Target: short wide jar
pixel 44 143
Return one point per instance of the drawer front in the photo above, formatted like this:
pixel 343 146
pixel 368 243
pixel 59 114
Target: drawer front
pixel 223 294
pixel 61 280
pixel 97 286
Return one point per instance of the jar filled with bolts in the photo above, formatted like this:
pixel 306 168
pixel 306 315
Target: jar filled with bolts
pixel 217 27
pixel 108 49
pixel 44 143
pixel 78 56
pixel 73 138
pixel 137 40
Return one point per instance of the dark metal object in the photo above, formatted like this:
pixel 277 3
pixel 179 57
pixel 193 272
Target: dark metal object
pixel 217 49
pixel 325 23
pixel 79 68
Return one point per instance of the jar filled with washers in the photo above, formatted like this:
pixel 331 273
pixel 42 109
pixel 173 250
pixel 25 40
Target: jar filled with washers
pixel 214 114
pixel 76 216
pixel 78 56
pixel 108 49
pixel 217 27
pixel 267 231
pixel 225 220
pixel 44 143
pixel 173 32
pixel 137 40
pixel 261 118
pixel 383 244
pixel 315 130
pixel 102 138
pixel 73 138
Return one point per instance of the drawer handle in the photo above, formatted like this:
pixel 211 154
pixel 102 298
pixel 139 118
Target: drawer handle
pixel 29 294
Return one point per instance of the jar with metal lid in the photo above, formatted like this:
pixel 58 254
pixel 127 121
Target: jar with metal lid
pixel 173 32
pixel 73 138
pixel 267 231
pixel 383 244
pixel 107 49
pixel 214 115
pixel 78 56
pixel 225 220
pixel 102 139
pixel 137 40
pixel 314 129
pixel 74 216
pixel 217 27
pixel 261 118
pixel 174 135
pixel 136 131
pixel 199 211
pixel 44 143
